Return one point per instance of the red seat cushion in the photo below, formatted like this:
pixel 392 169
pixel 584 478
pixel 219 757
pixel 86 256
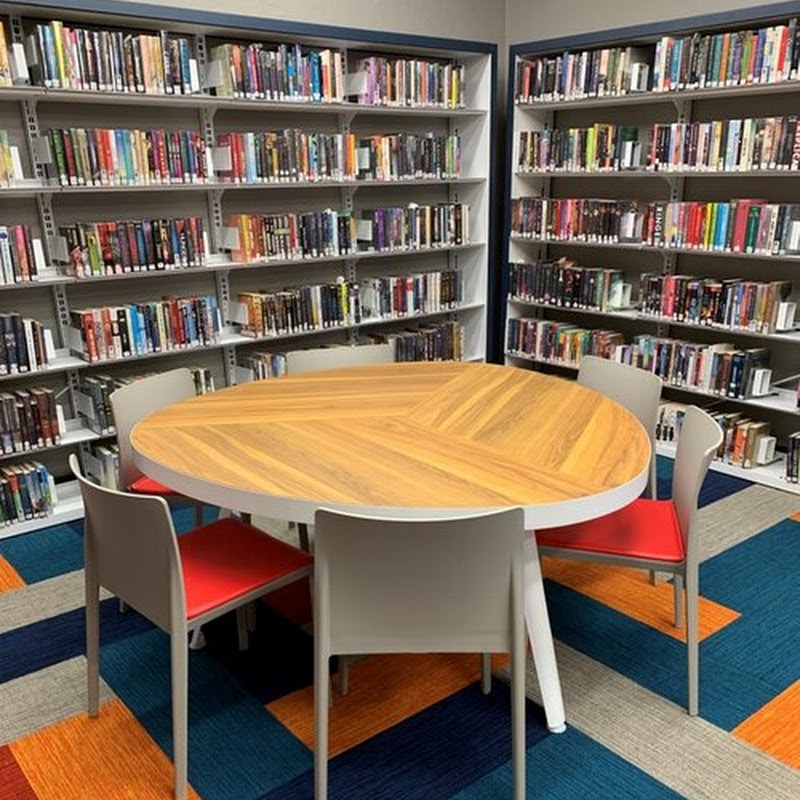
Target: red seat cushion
pixel 227 559
pixel 645 529
pixel 145 485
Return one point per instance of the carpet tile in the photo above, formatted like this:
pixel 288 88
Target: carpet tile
pixel 775 727
pixel 47 553
pixel 13 783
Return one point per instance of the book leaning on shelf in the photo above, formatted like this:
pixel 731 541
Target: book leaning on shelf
pixel 30 419
pixel 27 490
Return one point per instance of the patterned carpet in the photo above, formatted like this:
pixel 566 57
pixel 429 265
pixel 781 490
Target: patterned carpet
pixel 418 727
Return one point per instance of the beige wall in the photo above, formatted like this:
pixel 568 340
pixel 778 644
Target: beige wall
pixel 531 20
pixel 481 20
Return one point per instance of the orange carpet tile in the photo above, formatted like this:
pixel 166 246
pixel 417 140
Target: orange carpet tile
pixel 775 728
pixel 796 516
pixel 9 578
pixel 384 690
pixel 111 756
pixel 630 592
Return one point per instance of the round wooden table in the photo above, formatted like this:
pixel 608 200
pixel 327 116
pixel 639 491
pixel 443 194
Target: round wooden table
pixel 415 439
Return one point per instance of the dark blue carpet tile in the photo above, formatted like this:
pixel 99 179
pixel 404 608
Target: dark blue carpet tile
pixel 276 642
pixel 45 553
pixel 758 577
pixel 716 485
pixel 58 638
pixel 237 749
pixel 571 766
pixel 430 756
pixel 655 660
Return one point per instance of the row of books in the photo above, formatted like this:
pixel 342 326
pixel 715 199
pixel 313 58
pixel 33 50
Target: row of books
pixel 115 247
pixel 295 155
pixel 603 147
pixel 306 308
pixel 278 72
pixel 569 285
pixel 769 54
pixel 314 234
pixel 765 55
pixel 29 420
pixel 121 157
pixel 746 443
pixel 26 345
pixel 62 56
pixel 730 145
pixel 379 81
pixel 718 369
pixel 93 396
pixel 27 490
pixel 609 72
pixel 736 226
pixel 558 342
pixel 18 261
pixel 414 227
pixel 762 307
pixel 134 329
pixel 436 341
pixel 406 295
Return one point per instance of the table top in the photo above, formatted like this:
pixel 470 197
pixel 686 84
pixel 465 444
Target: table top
pixel 419 439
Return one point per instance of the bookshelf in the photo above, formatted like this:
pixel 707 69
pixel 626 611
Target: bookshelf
pixel 298 163
pixel 651 214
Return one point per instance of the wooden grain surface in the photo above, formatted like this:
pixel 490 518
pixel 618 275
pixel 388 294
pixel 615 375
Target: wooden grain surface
pixel 422 435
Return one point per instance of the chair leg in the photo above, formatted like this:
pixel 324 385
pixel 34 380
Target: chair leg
pixel 124 608
pixel 252 619
pixel 677 589
pixel 198 514
pixel 653 577
pixel 179 665
pixel 302 534
pixel 518 708
pixel 486 672
pixel 692 646
pixel 541 637
pixel 242 630
pixel 92 643
pixel 321 701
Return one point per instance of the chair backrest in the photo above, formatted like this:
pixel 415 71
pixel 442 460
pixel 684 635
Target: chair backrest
pixel 699 439
pixel 430 585
pixel 636 389
pixel 131 546
pixel 138 399
pixel 298 361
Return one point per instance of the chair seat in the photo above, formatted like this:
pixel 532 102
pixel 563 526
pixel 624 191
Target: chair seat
pixel 145 485
pixel 227 559
pixel 645 529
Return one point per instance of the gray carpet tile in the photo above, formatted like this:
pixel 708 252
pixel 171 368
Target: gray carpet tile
pixel 45 697
pixel 693 757
pixel 41 600
pixel 739 516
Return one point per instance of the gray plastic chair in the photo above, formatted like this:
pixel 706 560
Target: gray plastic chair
pixel 643 534
pixel 131 549
pixel 395 586
pixel 136 400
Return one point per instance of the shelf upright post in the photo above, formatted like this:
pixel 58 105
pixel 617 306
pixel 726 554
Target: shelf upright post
pixel 346 196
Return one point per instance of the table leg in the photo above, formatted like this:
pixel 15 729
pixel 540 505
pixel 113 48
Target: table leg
pixel 541 638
